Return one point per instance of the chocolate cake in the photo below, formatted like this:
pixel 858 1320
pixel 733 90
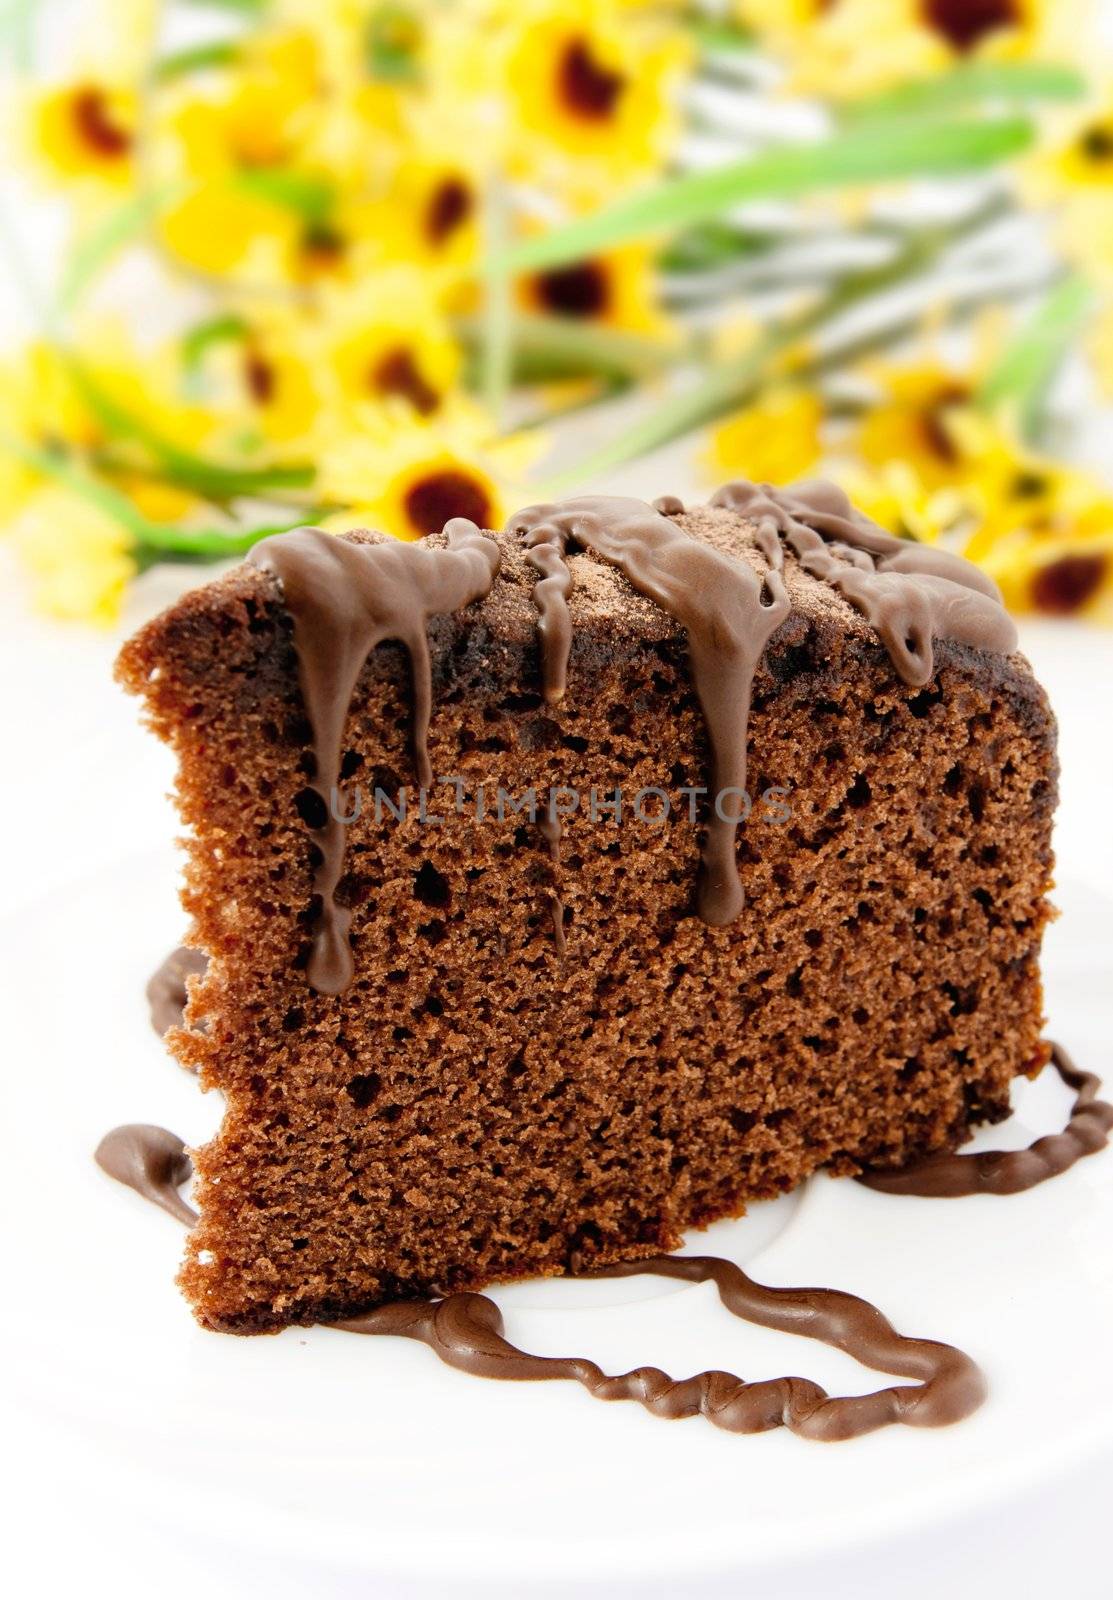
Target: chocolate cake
pixel 777 903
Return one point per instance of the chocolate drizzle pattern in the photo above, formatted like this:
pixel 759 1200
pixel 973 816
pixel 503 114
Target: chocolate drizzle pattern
pixel 466 1331
pixel 347 598
pixel 912 594
pixel 951 1175
pixel 545 554
pixel 344 600
pixel 152 1161
pixel 167 990
pixel 728 614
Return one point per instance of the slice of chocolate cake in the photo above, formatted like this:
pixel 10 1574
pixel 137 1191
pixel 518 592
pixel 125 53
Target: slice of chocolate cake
pixel 568 887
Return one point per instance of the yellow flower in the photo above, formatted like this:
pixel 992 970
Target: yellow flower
pixel 78 558
pixel 1073 170
pixel 385 340
pixel 80 127
pixel 617 289
pixel 914 419
pixel 1063 576
pixel 84 130
pixel 850 47
pixel 408 478
pixel 592 89
pixel 897 497
pixel 432 213
pixel 773 441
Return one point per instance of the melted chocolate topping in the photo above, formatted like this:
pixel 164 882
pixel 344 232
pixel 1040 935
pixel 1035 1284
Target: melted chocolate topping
pixel 167 991
pixel 465 1331
pixel 728 614
pixel 150 1160
pixel 344 600
pixel 545 554
pixel 912 594
pixel 949 1175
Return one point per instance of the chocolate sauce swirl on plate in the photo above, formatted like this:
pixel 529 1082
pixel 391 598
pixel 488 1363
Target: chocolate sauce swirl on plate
pixel 465 1330
pixel 167 990
pixel 152 1161
pixel 952 1175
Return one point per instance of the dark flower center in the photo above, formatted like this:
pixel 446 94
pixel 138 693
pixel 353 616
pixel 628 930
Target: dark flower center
pixel 1096 142
pixel 259 377
pixel 322 245
pixel 587 88
pixel 1029 485
pixel 397 373
pixel 965 23
pixel 934 420
pixel 443 495
pixel 1064 586
pixel 93 120
pixel 581 290
pixel 450 206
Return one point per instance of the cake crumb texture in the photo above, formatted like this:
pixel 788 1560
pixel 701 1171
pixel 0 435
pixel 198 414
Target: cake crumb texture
pixel 475 1107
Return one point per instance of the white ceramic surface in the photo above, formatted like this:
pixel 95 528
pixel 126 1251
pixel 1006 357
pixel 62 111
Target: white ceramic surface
pixel 370 1459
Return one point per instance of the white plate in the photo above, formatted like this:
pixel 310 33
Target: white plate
pixel 369 1458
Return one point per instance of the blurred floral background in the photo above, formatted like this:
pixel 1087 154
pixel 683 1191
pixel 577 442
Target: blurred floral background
pixel 383 262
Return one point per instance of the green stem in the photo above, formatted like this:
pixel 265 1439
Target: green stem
pixel 732 384
pixel 1020 378
pixel 547 348
pixel 208 479
pixel 497 346
pixel 788 172
pixel 965 85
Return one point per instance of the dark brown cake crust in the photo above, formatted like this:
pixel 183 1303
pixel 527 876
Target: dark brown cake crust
pixel 476 1107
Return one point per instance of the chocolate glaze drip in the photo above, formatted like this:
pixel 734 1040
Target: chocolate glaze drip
pixel 912 594
pixel 1010 1171
pixel 150 1160
pixel 166 991
pixel 545 555
pixel 728 615
pixel 668 505
pixel 466 1331
pixel 344 600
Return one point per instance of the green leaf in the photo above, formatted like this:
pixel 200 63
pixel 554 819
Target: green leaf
pixel 195 58
pixel 968 84
pixel 93 254
pixel 547 349
pixel 853 157
pixel 154 541
pixel 17 33
pixel 1019 379
pixel 392 43
pixel 203 336
pixel 209 479
pixel 308 196
pixel 719 37
pixel 62 469
pixel 165 543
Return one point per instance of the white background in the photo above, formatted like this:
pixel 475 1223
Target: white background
pixel 83 792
